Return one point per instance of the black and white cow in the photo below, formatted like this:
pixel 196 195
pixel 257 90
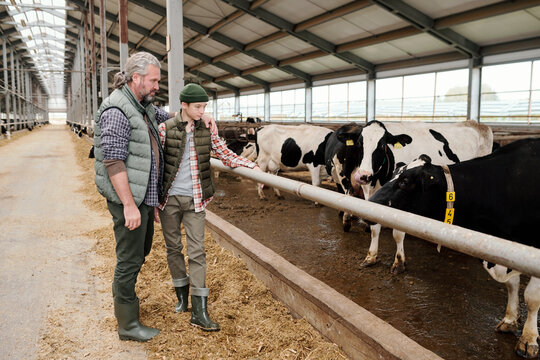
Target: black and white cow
pixel 292 148
pixel 497 194
pixel 373 151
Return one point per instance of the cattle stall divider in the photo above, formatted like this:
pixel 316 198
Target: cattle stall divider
pixel 523 258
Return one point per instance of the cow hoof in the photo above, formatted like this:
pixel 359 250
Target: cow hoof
pixel 346 227
pixel 507 327
pixel 527 348
pixel 397 268
pixel 368 262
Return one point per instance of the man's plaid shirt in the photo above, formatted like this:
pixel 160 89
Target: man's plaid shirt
pixel 220 149
pixel 115 135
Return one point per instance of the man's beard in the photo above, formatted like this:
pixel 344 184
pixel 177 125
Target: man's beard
pixel 148 98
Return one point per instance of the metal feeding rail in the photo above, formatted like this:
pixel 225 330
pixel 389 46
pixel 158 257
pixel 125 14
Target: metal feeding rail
pixel 523 258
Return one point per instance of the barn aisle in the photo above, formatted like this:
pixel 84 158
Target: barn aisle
pixel 46 285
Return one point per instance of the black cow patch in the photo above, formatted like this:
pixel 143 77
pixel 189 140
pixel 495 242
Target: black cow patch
pixel 449 153
pixel 309 157
pixel 290 153
pixel 317 158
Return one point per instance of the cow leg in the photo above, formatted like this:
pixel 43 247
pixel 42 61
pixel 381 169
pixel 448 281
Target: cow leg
pixel 262 166
pixel 371 257
pixel 527 345
pixel 509 324
pixel 315 172
pixel 399 261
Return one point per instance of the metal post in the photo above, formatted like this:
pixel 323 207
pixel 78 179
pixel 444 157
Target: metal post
pixel 93 59
pixel 87 81
pixel 515 256
pixel 175 52
pixel 14 88
pixel 103 32
pixel 473 103
pixel 7 97
pixel 82 95
pixel 237 104
pixel 370 99
pixel 267 105
pixel 122 19
pixel 308 104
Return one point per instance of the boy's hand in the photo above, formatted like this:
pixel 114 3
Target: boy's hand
pixel 210 123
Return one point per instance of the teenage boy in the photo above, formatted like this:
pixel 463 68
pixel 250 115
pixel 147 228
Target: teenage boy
pixel 187 189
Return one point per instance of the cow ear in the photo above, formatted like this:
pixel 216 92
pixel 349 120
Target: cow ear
pixel 425 158
pixel 348 137
pixel 398 141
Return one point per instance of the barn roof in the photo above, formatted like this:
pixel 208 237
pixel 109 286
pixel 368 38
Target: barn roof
pixel 239 45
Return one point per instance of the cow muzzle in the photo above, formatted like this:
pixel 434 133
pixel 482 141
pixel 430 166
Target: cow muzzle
pixel 363 177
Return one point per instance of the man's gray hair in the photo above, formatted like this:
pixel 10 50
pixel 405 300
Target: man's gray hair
pixel 136 63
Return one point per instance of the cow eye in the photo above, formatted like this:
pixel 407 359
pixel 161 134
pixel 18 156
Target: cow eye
pixel 403 183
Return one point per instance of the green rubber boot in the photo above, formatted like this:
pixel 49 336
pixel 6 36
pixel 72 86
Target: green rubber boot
pixel 129 327
pixel 199 313
pixel 182 293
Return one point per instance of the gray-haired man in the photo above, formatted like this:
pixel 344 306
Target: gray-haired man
pixel 129 172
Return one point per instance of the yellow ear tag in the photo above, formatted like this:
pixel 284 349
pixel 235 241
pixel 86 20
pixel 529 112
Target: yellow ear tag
pixel 449 216
pixel 349 142
pixel 398 145
pixel 431 177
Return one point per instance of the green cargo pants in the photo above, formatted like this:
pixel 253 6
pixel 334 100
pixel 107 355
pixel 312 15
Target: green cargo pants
pixel 180 209
pixel 131 249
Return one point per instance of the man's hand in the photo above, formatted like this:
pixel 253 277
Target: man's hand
pixel 257 168
pixel 211 123
pixel 132 217
pixel 156 215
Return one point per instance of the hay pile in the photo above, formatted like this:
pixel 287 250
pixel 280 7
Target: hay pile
pixel 254 325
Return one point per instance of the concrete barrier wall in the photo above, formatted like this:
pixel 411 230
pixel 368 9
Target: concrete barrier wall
pixel 359 333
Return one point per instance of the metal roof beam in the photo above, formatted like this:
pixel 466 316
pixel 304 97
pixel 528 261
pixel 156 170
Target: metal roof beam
pixel 201 29
pixel 501 8
pixel 132 45
pixel 240 48
pixel 427 24
pixel 332 14
pixel 231 69
pixel 38 6
pixel 304 35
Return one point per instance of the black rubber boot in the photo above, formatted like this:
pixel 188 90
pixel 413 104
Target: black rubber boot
pixel 129 327
pixel 199 314
pixel 182 293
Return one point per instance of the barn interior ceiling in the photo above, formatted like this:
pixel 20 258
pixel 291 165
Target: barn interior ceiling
pixel 239 45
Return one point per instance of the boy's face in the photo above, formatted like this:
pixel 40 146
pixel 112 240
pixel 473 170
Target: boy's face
pixel 194 110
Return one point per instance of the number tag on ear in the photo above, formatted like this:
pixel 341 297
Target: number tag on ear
pixel 449 216
pixel 398 145
pixel 349 142
pixel 451 196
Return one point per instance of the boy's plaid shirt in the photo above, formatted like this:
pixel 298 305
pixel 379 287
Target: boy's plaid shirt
pixel 220 149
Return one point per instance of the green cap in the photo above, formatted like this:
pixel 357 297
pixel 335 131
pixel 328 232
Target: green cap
pixel 193 93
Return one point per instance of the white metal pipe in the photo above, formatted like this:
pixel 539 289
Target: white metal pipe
pixel 523 258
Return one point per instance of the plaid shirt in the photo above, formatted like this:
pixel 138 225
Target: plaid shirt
pixel 115 135
pixel 220 149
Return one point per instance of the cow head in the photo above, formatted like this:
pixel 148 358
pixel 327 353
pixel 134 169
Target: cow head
pixel 350 154
pixel 418 187
pixel 377 161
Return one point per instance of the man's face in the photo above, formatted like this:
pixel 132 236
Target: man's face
pixel 194 110
pixel 146 86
